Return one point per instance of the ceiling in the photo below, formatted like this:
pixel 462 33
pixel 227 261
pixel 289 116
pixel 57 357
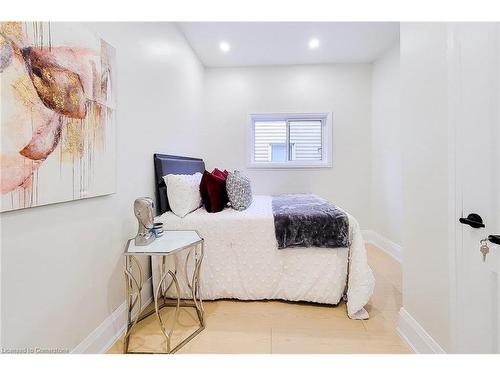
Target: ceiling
pixel 285 43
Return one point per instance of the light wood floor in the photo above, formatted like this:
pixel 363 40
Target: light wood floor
pixel 283 327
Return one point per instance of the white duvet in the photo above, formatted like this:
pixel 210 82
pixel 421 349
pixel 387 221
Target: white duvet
pixel 242 261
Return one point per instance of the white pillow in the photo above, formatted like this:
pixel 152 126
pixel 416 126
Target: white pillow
pixel 183 192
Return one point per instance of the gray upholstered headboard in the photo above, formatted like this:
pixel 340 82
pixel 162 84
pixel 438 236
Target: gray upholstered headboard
pixel 172 164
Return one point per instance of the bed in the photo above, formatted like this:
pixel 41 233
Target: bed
pixel 242 260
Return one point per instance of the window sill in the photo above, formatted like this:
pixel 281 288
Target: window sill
pixel 288 166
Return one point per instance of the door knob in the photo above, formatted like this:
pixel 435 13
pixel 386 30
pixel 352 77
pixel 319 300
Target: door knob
pixel 474 220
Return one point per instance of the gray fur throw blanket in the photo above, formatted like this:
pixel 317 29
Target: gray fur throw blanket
pixel 306 220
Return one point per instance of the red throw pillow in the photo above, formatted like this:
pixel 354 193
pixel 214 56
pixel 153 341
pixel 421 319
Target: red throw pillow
pixel 219 173
pixel 213 190
pixel 204 190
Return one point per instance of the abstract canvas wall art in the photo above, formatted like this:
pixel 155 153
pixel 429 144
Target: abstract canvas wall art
pixel 57 91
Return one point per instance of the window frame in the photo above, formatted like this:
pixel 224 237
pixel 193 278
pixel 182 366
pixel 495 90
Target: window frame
pixel 326 140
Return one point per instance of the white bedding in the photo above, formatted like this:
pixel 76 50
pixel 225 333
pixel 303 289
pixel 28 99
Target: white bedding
pixel 242 261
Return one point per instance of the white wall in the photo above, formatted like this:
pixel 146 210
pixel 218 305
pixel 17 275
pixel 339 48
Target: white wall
pixel 424 121
pixel 62 266
pixel 233 93
pixel 386 193
pixel 62 276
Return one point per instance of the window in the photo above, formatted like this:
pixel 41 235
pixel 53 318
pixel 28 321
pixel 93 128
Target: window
pixel 290 140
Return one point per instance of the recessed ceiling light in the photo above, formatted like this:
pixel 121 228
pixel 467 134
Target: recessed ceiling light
pixel 224 46
pixel 313 43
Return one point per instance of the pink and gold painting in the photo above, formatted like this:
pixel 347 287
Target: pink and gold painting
pixel 57 91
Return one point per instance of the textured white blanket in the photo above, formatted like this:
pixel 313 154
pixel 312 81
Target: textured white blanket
pixel 242 261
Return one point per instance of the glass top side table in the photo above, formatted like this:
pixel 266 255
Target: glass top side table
pixel 170 244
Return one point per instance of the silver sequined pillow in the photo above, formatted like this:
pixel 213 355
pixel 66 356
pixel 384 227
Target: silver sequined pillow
pixel 239 191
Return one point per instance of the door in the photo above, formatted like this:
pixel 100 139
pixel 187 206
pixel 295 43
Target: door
pixel 474 50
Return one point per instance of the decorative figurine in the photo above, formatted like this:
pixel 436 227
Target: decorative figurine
pixel 143 209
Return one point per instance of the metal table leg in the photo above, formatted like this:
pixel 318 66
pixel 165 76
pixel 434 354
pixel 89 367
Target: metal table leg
pixel 132 282
pixel 195 291
pixel 194 288
pixel 163 274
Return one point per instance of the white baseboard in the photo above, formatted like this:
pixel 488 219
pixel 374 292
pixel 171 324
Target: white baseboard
pixel 416 336
pixel 383 243
pixel 112 328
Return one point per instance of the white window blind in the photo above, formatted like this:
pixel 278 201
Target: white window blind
pixel 289 140
pixel 267 135
pixel 305 140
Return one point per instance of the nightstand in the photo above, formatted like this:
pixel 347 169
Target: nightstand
pixel 170 244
